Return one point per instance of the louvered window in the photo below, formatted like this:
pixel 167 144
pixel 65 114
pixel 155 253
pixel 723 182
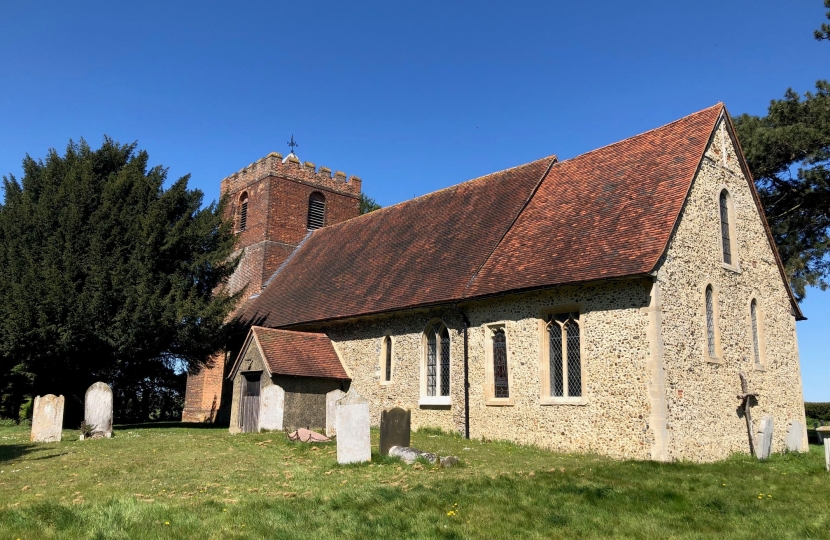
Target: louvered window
pixel 500 382
pixel 756 345
pixel 724 227
pixel 565 355
pixel 438 360
pixel 316 211
pixel 387 359
pixel 243 212
pixel 710 322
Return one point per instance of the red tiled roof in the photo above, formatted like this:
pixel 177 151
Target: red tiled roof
pixel 607 213
pixel 422 251
pixel 304 354
pixel 604 214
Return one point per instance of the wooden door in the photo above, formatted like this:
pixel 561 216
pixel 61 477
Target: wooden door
pixel 250 402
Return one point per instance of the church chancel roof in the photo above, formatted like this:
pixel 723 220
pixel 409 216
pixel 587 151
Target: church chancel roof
pixel 605 214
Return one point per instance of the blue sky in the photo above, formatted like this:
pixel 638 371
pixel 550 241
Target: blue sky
pixel 411 97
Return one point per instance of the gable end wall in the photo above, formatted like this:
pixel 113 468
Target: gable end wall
pixel 703 419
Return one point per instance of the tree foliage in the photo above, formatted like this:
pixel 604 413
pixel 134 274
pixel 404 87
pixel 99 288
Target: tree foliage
pixel 108 276
pixel 788 151
pixel 824 31
pixel 367 204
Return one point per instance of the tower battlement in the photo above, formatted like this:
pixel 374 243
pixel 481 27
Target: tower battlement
pixel 275 165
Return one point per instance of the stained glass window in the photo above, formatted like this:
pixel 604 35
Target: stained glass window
pixel 445 361
pixel 438 360
pixel 502 388
pixel 431 354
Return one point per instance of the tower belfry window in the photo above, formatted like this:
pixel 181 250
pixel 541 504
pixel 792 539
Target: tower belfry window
pixel 316 211
pixel 243 212
pixel 726 241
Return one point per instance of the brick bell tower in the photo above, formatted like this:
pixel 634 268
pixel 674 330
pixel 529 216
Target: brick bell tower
pixel 274 203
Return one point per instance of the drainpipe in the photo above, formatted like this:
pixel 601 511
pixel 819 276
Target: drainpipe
pixel 466 373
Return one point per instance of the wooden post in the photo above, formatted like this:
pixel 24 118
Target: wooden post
pixel 744 397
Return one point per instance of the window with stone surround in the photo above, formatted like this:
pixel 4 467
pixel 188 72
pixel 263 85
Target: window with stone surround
pixel 386 360
pixel 316 211
pixel 756 329
pixel 243 211
pixel 728 244
pixel 561 361
pixel 711 327
pixel 435 372
pixel 497 365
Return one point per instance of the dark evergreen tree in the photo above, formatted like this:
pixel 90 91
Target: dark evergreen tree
pixel 788 151
pixel 367 204
pixel 106 275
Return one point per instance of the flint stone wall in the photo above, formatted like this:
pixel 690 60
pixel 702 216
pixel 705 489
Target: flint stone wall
pixel 650 393
pixel 702 417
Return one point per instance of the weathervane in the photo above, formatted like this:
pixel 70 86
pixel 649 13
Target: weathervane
pixel 292 144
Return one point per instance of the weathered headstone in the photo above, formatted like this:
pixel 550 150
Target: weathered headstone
pixel 765 442
pixel 824 432
pixel 331 405
pixel 795 437
pixel 394 429
pixel 47 418
pixel 98 409
pixel 271 408
pixel 352 426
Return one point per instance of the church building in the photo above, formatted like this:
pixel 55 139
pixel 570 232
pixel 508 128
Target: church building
pixel 604 303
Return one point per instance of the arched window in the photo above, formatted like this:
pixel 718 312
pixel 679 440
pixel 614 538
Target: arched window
pixel 725 233
pixel 316 211
pixel 243 211
pixel 387 359
pixel 500 382
pixel 437 360
pixel 756 341
pixel 565 355
pixel 710 322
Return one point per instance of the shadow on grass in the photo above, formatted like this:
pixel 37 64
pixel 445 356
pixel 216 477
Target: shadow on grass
pixel 165 425
pixel 10 452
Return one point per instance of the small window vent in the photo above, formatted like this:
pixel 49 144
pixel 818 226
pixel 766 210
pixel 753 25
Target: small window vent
pixel 316 211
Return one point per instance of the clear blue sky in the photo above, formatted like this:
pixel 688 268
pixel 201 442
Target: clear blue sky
pixel 411 97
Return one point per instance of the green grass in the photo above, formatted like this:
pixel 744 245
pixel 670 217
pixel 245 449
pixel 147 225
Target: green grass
pixel 173 481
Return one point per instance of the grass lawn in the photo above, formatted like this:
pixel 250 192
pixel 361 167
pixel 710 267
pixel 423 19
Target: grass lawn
pixel 174 481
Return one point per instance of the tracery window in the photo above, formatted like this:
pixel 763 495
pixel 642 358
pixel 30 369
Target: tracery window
pixel 565 355
pixel 437 360
pixel 316 211
pixel 756 342
pixel 243 212
pixel 726 241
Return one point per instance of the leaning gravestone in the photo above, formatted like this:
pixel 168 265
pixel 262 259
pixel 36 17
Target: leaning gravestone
pixel 352 425
pixel 394 429
pixel 47 418
pixel 271 408
pixel 765 447
pixel 98 409
pixel 795 437
pixel 331 406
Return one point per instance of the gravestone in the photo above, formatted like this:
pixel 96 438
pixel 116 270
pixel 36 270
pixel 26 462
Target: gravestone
pixel 795 437
pixel 331 405
pixel 765 439
pixel 824 432
pixel 394 429
pixel 98 409
pixel 352 426
pixel 271 408
pixel 47 418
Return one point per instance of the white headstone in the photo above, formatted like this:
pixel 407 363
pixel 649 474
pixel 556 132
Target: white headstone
pixel 47 418
pixel 271 408
pixel 827 453
pixel 98 409
pixel 795 437
pixel 765 440
pixel 352 425
pixel 331 404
